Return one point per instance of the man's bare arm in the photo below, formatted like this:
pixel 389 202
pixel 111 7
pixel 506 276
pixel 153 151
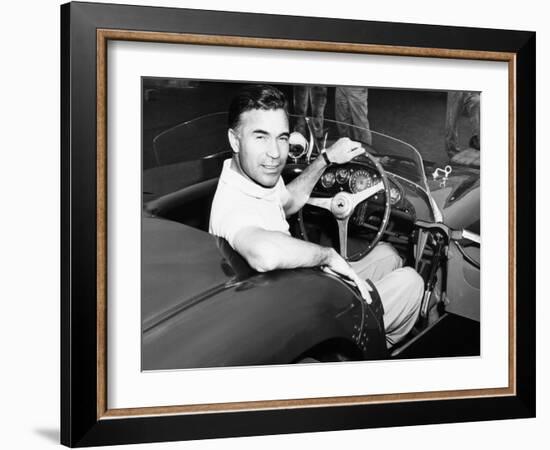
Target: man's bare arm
pixel 270 250
pixel 300 188
pixel 341 152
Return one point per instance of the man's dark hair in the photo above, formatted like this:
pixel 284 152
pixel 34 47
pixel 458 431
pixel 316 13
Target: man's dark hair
pixel 255 96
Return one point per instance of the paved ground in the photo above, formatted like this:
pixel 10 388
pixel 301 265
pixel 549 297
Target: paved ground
pixel 417 117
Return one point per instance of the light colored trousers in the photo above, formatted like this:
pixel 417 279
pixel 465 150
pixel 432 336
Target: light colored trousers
pixel 400 288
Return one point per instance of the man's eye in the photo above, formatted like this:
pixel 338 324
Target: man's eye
pixel 284 138
pixel 260 136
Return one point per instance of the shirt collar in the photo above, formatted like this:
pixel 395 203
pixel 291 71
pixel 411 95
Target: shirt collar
pixel 235 179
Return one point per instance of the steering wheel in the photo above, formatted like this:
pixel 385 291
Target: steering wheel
pixel 343 204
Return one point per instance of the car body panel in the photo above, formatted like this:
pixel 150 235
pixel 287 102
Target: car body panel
pixel 178 264
pixel 458 197
pixel 200 309
pixel 463 283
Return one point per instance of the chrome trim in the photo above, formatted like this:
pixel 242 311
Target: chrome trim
pixel 311 142
pixel 438 216
pixel 474 237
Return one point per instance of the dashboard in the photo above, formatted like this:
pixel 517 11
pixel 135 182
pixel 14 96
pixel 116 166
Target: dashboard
pixel 353 178
pixel 408 203
pixel 407 200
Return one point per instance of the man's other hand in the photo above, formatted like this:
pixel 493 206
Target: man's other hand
pixel 338 265
pixel 344 150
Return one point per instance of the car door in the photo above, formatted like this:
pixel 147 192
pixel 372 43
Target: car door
pixel 463 282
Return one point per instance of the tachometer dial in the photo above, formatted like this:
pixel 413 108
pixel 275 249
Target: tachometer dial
pixel 342 175
pixel 360 180
pixel 328 179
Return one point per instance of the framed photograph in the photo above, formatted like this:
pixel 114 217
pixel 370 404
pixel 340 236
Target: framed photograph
pixel 278 224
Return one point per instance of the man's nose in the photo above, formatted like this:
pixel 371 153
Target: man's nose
pixel 273 150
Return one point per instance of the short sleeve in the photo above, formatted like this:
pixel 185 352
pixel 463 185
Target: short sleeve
pixel 234 210
pixel 232 222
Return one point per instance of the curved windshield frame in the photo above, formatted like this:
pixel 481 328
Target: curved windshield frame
pixel 205 137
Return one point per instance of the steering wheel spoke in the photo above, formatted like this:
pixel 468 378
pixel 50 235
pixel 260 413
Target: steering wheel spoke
pixel 361 196
pixel 343 204
pixel 320 202
pixel 343 236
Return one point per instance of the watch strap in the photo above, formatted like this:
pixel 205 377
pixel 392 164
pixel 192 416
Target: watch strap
pixel 325 157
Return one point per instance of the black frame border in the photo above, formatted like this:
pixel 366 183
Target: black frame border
pixel 79 423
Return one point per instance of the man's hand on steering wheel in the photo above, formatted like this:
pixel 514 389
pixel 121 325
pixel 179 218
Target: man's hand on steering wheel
pixel 344 150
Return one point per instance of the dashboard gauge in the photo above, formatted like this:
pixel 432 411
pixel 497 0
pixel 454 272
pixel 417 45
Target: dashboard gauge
pixel 359 181
pixel 328 179
pixel 395 195
pixel 342 176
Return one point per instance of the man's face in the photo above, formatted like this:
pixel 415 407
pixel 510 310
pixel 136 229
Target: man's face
pixel 261 144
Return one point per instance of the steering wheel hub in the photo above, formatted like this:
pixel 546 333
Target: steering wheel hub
pixel 341 205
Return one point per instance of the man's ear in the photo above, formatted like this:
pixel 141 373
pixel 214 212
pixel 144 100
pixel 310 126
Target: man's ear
pixel 233 140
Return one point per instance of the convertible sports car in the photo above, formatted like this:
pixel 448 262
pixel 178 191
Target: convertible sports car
pixel 203 306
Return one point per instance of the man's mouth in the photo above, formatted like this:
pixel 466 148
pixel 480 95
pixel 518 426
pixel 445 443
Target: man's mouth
pixel 270 167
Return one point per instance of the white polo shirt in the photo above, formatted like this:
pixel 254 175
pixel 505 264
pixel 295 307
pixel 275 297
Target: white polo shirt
pixel 240 203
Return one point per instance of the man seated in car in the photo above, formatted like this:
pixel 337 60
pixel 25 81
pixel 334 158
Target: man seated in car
pixel 251 204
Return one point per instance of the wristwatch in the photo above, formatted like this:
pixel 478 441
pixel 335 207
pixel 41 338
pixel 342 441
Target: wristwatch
pixel 325 157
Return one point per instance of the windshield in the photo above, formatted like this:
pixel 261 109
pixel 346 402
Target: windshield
pixel 200 145
pixel 396 156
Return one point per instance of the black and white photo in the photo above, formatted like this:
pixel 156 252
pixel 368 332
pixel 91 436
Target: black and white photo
pixel 292 223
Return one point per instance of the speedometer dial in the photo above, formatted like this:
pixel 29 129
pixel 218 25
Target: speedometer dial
pixel 359 181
